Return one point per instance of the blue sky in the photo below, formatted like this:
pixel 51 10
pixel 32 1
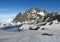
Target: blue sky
pixel 11 8
pixel 16 6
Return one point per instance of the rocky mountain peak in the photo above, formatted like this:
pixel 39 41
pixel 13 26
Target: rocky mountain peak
pixel 36 11
pixel 30 14
pixel 36 14
pixel 18 17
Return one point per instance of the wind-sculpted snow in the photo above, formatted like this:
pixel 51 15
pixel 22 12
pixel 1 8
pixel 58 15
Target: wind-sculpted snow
pixel 49 33
pixel 29 36
pixel 28 26
pixel 53 24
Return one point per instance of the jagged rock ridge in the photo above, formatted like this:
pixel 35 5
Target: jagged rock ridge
pixel 31 14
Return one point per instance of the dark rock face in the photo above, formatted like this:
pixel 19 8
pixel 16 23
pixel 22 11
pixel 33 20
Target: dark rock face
pixel 18 18
pixel 52 17
pixel 42 28
pixel 43 24
pixel 47 34
pixel 58 18
pixel 50 23
pixel 34 28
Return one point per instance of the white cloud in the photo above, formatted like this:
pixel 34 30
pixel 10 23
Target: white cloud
pixel 7 17
pixel 6 20
pixel 3 9
pixel 8 14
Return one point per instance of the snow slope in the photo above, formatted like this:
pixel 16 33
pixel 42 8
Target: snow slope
pixel 54 25
pixel 29 36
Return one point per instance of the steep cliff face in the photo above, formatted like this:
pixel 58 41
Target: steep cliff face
pixel 52 17
pixel 18 18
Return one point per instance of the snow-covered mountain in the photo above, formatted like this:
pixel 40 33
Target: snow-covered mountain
pixel 31 14
pixel 36 11
pixel 55 24
pixel 35 26
pixel 34 19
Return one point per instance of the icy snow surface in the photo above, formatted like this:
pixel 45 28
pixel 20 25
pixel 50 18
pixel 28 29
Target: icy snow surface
pixel 28 36
pixel 33 35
